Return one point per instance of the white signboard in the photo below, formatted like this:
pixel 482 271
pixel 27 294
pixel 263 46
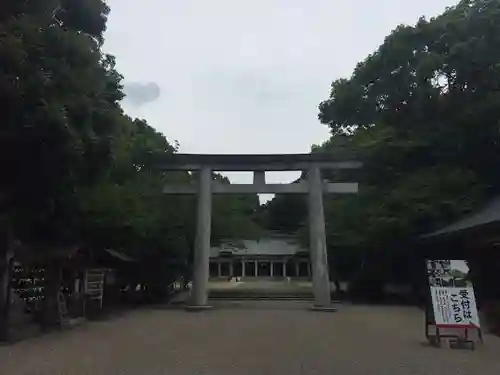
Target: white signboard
pixel 452 294
pixel 94 283
pixel 454 307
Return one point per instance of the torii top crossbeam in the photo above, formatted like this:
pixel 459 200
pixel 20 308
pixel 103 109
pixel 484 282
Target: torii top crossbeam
pixel 259 164
pixel 256 162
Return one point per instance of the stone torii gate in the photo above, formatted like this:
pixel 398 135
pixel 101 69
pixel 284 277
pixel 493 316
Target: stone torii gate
pixel 205 165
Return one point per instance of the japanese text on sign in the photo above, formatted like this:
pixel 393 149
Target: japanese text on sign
pixel 454 307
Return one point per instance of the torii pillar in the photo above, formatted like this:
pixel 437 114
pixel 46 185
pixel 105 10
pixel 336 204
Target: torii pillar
pixel 317 241
pixel 199 292
pixel 205 165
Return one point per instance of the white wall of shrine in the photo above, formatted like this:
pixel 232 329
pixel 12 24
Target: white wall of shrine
pixel 259 267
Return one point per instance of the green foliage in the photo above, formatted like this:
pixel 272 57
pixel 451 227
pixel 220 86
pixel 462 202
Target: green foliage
pixel 60 96
pixel 422 114
pixel 235 216
pixel 127 209
pixel 434 85
pixel 285 213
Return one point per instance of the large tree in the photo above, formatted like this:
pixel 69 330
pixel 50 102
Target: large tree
pixel 422 113
pixel 431 90
pixel 127 210
pixel 60 97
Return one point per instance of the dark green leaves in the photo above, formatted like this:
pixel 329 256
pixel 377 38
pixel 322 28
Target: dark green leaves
pixel 422 114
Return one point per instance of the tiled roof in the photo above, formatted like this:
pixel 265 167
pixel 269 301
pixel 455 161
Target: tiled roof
pixel 490 213
pixel 265 246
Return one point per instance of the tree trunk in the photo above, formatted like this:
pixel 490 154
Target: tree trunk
pixel 52 287
pixel 4 298
pixel 6 262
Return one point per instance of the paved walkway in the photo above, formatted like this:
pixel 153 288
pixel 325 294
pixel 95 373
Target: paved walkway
pixel 249 338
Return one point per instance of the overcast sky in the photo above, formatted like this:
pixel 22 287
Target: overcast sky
pixel 235 76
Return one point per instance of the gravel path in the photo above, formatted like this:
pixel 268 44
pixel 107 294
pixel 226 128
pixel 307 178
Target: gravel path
pixel 254 338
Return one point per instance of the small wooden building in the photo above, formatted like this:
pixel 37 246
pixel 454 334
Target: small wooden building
pixel 476 239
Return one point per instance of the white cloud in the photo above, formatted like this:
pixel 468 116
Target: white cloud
pixel 138 93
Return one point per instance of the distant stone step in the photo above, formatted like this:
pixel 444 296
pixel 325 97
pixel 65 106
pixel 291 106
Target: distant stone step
pixel 261 298
pixel 259 295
